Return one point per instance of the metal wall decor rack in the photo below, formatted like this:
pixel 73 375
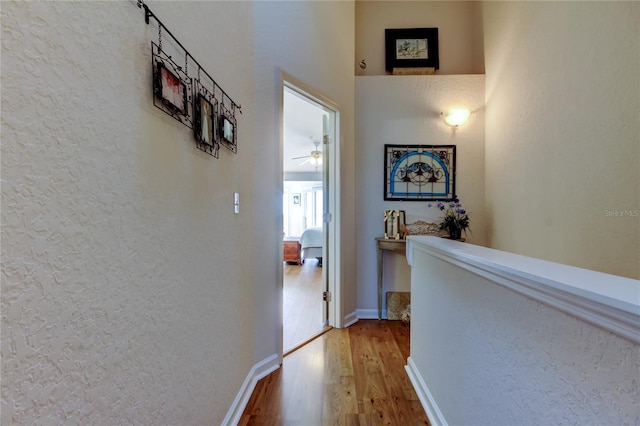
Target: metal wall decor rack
pixel 189 94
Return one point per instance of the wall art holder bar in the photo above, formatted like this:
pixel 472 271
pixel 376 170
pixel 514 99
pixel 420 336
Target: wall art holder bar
pixel 187 92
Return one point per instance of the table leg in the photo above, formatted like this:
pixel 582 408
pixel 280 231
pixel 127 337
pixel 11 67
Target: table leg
pixel 379 281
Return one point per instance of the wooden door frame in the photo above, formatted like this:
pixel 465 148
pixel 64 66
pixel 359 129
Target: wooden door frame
pixel 333 260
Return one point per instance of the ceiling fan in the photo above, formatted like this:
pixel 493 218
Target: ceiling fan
pixel 314 158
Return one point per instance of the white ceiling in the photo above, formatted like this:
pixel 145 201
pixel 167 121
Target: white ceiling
pixel 302 126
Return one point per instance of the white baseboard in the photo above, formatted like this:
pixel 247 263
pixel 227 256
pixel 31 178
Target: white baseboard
pixel 367 313
pixel 426 399
pixel 350 319
pixel 257 372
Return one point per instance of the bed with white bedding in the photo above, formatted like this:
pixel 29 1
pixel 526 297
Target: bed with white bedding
pixel 311 244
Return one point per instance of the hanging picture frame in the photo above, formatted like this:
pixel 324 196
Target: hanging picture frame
pixel 170 89
pixel 411 48
pixel 227 134
pixel 419 172
pixel 204 122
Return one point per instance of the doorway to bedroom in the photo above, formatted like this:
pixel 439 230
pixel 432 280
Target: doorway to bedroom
pixel 308 137
pixel 303 313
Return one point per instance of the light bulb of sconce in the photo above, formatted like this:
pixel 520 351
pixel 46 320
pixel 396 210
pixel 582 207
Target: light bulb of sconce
pixel 456 116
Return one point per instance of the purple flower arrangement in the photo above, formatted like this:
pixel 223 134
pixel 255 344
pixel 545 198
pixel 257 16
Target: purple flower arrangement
pixel 455 218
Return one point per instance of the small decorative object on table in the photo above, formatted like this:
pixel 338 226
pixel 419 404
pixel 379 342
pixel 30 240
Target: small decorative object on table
pixel 420 227
pixel 394 221
pixel 455 218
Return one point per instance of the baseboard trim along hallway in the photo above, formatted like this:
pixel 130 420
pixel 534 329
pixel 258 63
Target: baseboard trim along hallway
pixel 367 313
pixel 350 319
pixel 428 403
pixel 257 372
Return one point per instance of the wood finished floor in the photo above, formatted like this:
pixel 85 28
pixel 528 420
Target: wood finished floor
pixel 350 376
pixel 302 303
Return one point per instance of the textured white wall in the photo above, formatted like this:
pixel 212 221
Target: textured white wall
pixel 459 26
pixel 510 360
pixel 130 292
pixel 562 132
pixel 406 110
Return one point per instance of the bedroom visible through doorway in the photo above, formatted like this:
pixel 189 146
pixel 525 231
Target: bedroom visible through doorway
pixel 302 273
pixel 307 126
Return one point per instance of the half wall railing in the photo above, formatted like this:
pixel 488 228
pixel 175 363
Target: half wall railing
pixel 499 338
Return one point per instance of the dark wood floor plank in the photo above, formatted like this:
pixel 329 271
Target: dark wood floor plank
pixel 266 397
pixel 373 394
pixel 401 335
pixel 352 376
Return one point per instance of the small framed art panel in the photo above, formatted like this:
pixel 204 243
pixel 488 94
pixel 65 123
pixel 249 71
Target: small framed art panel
pixel 171 90
pixel 227 130
pixel 205 119
pixel 411 48
pixel 204 126
pixel 419 172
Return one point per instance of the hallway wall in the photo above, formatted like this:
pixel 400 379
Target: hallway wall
pixel 563 132
pixel 401 110
pixel 459 26
pixel 131 293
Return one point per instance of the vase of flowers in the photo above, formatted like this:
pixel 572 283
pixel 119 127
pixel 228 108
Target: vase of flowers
pixel 455 219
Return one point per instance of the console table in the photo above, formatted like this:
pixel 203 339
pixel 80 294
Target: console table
pixel 389 245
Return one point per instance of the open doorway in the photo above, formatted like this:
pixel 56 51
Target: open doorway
pixel 309 228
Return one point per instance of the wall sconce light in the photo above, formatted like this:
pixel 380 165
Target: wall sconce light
pixel 456 117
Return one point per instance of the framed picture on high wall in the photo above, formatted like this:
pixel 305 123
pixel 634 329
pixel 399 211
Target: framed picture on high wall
pixel 411 48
